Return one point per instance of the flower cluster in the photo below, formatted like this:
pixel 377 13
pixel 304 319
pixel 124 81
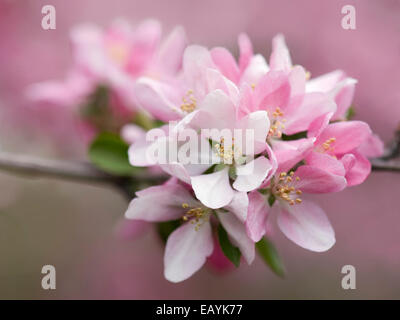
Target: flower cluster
pixel 298 138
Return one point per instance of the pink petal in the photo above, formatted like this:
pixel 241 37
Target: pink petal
pixel 272 91
pixel 246 51
pixel 251 175
pixel 132 133
pixel 259 124
pixel 289 153
pixel 186 251
pixel 196 61
pixel 145 41
pixel 256 69
pixel 325 82
pixel 297 79
pixel 170 56
pixel 325 162
pixel 257 214
pixel 226 63
pixel 157 98
pixel 237 233
pixel 316 180
pixel 280 56
pixel 160 203
pixel 314 105
pixel 215 81
pixel 319 124
pixel 214 189
pixel 349 135
pixel 238 206
pixel 338 86
pixel 307 225
pixel 216 112
pixel 357 167
pixel 372 147
pixel 343 94
pixel 139 152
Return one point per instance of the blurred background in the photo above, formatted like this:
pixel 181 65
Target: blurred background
pixel 72 226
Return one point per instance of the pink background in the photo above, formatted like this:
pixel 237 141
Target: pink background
pixel 71 225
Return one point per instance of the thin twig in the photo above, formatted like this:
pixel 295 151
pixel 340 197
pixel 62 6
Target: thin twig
pixel 385 165
pixel 390 161
pixel 70 170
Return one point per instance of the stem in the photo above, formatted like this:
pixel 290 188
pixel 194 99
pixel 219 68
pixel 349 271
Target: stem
pixel 69 170
pixel 390 161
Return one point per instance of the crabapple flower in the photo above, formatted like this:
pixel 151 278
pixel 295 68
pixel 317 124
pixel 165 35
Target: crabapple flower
pixel 192 242
pixel 218 113
pixel 174 97
pixel 335 84
pixel 336 150
pixel 106 65
pixel 300 220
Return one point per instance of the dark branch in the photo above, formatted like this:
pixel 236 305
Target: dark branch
pixel 390 161
pixel 71 170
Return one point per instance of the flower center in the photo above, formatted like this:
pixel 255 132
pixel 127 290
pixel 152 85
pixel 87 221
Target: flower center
pixel 189 102
pixel 327 147
pixel 227 153
pixel 277 123
pixel 197 216
pixel 285 188
pixel 118 52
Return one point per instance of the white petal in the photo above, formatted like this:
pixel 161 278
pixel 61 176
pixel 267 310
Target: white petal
pixel 186 251
pixel 238 235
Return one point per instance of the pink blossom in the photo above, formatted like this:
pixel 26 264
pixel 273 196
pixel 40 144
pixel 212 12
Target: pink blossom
pixel 172 98
pixel 336 150
pixel 114 58
pixel 191 243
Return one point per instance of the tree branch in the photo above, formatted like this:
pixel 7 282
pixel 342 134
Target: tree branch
pixel 71 170
pixel 390 161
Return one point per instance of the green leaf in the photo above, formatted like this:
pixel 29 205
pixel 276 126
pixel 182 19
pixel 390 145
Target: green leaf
pixel 271 200
pixel 144 121
pixel 296 136
pixel 351 112
pixel 268 252
pixel 230 251
pixel 166 228
pixel 110 153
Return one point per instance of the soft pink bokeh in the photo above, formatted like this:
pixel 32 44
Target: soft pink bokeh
pixel 366 218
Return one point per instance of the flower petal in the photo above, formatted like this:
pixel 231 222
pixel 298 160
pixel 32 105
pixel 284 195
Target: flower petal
pixel 289 153
pixel 238 206
pixel 160 203
pixel 170 55
pixel 280 56
pixel 358 170
pixel 246 51
pixel 316 180
pixel 226 63
pixel 307 225
pixel 213 190
pixel 157 98
pixel 251 175
pixel 237 233
pixel 272 91
pixel 300 117
pixel 349 135
pixel 257 214
pixel 186 251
